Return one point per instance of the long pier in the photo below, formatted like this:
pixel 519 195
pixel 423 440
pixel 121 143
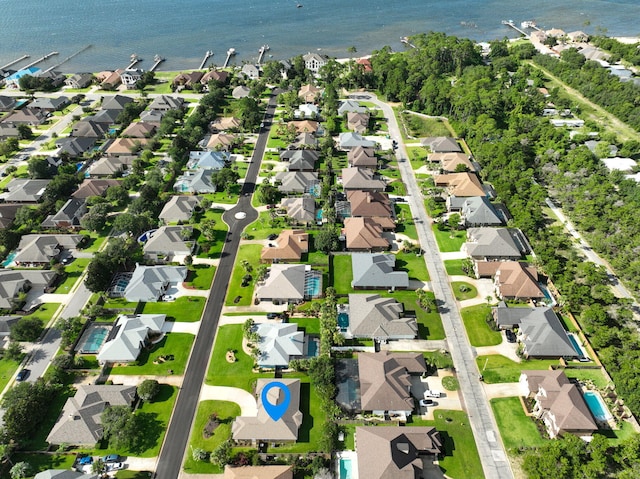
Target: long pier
pixel 510 23
pixel 262 51
pixel 134 60
pixel 405 40
pixel 157 61
pixel 207 55
pixel 23 57
pixel 230 52
pixel 41 59
pixel 68 58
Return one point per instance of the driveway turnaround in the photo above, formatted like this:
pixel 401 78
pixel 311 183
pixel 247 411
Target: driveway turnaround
pixel 246 401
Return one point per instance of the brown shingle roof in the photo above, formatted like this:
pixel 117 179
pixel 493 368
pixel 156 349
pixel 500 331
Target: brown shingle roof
pixel 461 184
pixel 372 204
pixel 364 234
pixel 290 245
pixel 517 280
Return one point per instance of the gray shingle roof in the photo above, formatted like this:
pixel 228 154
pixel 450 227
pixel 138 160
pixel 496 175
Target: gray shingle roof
pixel 278 343
pixel 375 271
pixel 148 283
pixel 128 337
pixel 179 208
pixel 496 243
pixel 373 316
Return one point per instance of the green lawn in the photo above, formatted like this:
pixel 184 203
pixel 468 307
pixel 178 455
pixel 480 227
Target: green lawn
pixel 594 375
pixel 212 248
pixel 405 224
pixel 446 243
pixel 7 370
pixel 500 369
pixel 429 324
pixel 479 332
pixel 265 225
pixel 412 264
pixel 74 271
pixel 39 462
pixel 45 312
pixel 342 281
pixel 516 428
pixel 200 276
pixel 226 412
pixel 250 253
pixel 463 290
pixel 454 267
pixel 309 325
pixel 223 373
pixel 184 309
pixel 177 344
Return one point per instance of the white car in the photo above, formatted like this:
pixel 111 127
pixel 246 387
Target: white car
pixel 430 393
pixel 426 402
pixel 114 466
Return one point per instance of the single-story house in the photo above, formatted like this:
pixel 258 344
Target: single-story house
pixel 358 122
pixel 79 80
pixel 289 283
pixel 129 335
pixel 225 123
pixel 50 104
pixel 109 79
pixel 125 147
pixel 385 385
pixel 13 282
pixel 351 140
pixel 166 103
pixel 362 179
pixel 198 182
pixel 149 283
pixel 8 131
pixel 362 157
pixel 210 160
pixel 188 79
pixel 309 93
pixel 6 323
pixel 279 343
pixel 305 141
pixel 258 472
pixel 301 209
pixel 302 162
pixel 441 144
pixel 94 187
pixel 374 317
pixel 396 452
pixel 8 213
pixel 475 211
pixel 291 155
pixel 306 126
pixel 559 403
pixel 374 205
pixel 110 166
pixel 496 244
pixel 89 129
pixel 7 103
pixel 450 162
pixel 179 209
pixel 106 117
pixel 75 146
pixel 460 184
pixel 23 190
pixel 67 217
pixel 65 474
pixel 307 110
pixel 351 106
pixel 167 242
pixel 221 142
pixel 80 422
pixel 290 245
pixel 375 271
pixel 215 75
pixel 241 91
pixel 364 234
pixel 251 430
pixel 38 250
pixel 297 181
pixel 513 280
pixel 26 116
pixel 152 116
pixel 115 102
pixel 139 129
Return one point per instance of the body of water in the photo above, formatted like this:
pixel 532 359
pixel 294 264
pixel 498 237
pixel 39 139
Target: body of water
pixel 183 31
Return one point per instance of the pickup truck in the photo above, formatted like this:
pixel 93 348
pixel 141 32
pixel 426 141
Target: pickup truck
pixel 430 393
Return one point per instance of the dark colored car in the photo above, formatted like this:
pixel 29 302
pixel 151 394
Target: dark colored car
pixel 111 458
pixel 272 236
pixel 23 374
pixel 272 315
pixel 511 336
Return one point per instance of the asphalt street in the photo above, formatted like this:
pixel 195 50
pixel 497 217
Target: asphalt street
pixel 490 448
pixel 173 450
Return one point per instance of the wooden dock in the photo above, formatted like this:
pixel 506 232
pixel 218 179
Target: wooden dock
pixel 207 55
pixel 406 41
pixel 157 61
pixel 23 57
pixel 39 60
pixel 134 61
pixel 230 52
pixel 68 58
pixel 262 51
pixel 511 24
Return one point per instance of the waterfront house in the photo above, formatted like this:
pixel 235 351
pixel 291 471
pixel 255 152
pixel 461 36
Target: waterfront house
pixel 179 209
pixel 129 335
pixel 56 78
pixel 558 402
pixel 397 452
pixel 187 80
pixel 250 71
pixel 441 144
pixel 150 283
pixel 374 317
pixel 80 422
pixel 362 179
pixel 167 243
pixel 364 234
pixel 79 81
pixel 50 104
pixel 376 271
pixel 130 78
pixel 314 61
pixel 68 216
pixel 22 190
pixel 279 343
pixel 289 246
pixel 13 81
pixel 196 182
pixel 374 205
pixel 94 187
pixel 38 250
pixel 490 244
pixel 302 209
pixel 220 76
pixel 254 429
pixel 109 80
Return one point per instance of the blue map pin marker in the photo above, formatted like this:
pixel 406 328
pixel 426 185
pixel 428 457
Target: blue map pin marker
pixel 276 411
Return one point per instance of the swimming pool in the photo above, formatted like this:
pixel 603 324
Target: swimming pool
pixel 9 259
pixel 345 468
pixel 576 346
pixel 312 348
pixel 94 340
pixel 313 285
pixel 597 406
pixel 343 320
pixel 319 215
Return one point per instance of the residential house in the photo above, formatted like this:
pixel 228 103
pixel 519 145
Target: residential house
pixel 385 384
pixel 491 244
pixel 290 283
pixel 125 146
pixel 475 211
pixel 15 282
pixel 374 205
pixel 89 129
pixel 8 214
pixel 289 246
pixel 79 81
pixel 7 103
pixel 94 187
pixel 303 161
pixel 297 181
pixel 305 126
pixel 303 209
pixel 166 103
pixel 452 162
pixel 75 146
pixel 50 104
pixel 80 422
pixel 258 472
pixel 250 71
pixel 6 323
pixel 221 142
pixel 374 317
pixel 139 129
pixel 225 123
pixel 13 80
pixel 540 331
pixel 513 280
pixel 309 93
pixel 558 402
pixel 441 144
pixel 57 78
pixel 358 122
pixel 241 91
pixel 366 64
pixel 38 250
pixel 304 141
pixel 196 182
pixel 167 243
pixel 351 106
pixel 179 209
pixel 278 344
pixel 362 157
pixel 8 131
pixel 187 80
pixel 110 166
pixel 209 160
pixel 349 140
pixel 460 184
pixel 362 179
pixel 307 110
pixel 220 76
pixel 314 61
pixel 109 80
pixel 26 116
pixel 376 271
pixel 129 336
pixel 251 430
pixel 150 283
pixel 397 452
pixel 364 234
pixel 106 117
pixel 22 190
pixel 115 102
pixel 67 217
pixel 578 37
pixel 152 116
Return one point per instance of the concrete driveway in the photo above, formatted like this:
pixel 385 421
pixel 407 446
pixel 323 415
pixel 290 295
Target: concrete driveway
pixel 246 401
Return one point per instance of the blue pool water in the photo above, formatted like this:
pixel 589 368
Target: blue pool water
pixel 312 286
pixel 319 215
pixel 345 468
pixel 343 320
pixel 312 348
pixel 94 341
pixel 597 406
pixel 9 259
pixel 576 346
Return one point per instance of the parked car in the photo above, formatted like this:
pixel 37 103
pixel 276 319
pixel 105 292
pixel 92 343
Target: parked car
pixel 111 458
pixel 114 466
pixel 429 393
pixel 511 336
pixel 272 236
pixel 426 402
pixel 273 315
pixel 23 374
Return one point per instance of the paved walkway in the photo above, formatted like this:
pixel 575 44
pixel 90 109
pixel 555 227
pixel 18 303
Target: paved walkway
pixel 134 380
pixel 453 255
pixel 246 401
pixel 416 345
pixel 505 349
pixel 502 390
pixel 181 327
